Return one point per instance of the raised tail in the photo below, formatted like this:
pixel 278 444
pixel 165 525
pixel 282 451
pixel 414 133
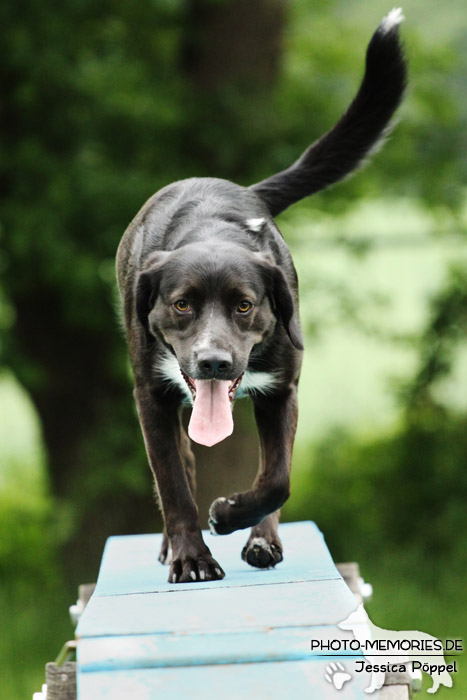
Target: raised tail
pixel 356 134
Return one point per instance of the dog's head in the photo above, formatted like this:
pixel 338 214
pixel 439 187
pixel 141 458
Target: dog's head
pixel 211 308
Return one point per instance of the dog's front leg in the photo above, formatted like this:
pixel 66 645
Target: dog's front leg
pixel 160 423
pixel 188 459
pixel 276 417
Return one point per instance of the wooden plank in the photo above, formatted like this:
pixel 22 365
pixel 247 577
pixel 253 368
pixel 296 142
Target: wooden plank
pixel 394 692
pixel 249 634
pixel 397 678
pixel 273 680
pixel 350 572
pixel 129 564
pixel 156 651
pixel 61 681
pixel 219 610
pixel 85 591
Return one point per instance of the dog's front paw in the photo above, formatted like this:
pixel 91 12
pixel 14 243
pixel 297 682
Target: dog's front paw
pixel 188 569
pixel 217 516
pixel 193 562
pixel 261 553
pixel 229 514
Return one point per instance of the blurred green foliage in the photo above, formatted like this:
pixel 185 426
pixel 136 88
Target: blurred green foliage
pixel 102 104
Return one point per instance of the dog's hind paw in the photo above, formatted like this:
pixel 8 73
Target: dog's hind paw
pixel 261 553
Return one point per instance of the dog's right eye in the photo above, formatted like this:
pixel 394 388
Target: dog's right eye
pixel 244 306
pixel 182 305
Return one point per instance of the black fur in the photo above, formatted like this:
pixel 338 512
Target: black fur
pixel 336 154
pixel 212 244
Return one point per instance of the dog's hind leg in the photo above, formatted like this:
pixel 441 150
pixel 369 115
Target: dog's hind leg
pixel 276 418
pixel 264 548
pixel 188 458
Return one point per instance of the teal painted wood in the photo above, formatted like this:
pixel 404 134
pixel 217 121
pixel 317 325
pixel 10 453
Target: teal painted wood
pixel 130 565
pixel 248 608
pixel 163 651
pixel 286 680
pixel 164 639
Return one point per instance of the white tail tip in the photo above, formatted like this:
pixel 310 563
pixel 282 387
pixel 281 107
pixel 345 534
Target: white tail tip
pixel 393 19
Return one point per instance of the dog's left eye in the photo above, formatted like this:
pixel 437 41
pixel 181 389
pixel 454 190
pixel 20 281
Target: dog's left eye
pixel 182 305
pixel 244 306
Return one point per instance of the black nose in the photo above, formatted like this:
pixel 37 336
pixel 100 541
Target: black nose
pixel 214 365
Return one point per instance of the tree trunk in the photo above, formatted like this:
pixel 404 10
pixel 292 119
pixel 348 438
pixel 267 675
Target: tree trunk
pixel 65 346
pixel 95 455
pixel 236 44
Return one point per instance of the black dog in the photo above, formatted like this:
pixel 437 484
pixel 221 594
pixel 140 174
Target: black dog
pixel 211 311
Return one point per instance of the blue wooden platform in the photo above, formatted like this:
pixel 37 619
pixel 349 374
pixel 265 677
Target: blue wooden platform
pixel 248 635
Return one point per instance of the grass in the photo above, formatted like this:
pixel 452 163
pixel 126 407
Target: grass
pixel 33 604
pixel 35 625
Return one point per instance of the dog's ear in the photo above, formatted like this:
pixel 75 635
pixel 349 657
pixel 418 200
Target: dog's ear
pixel 147 289
pixel 282 302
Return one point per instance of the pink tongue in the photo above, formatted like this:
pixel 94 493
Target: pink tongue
pixel 211 419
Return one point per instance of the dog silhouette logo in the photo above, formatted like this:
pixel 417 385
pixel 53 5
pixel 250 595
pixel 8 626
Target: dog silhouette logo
pixel 406 650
